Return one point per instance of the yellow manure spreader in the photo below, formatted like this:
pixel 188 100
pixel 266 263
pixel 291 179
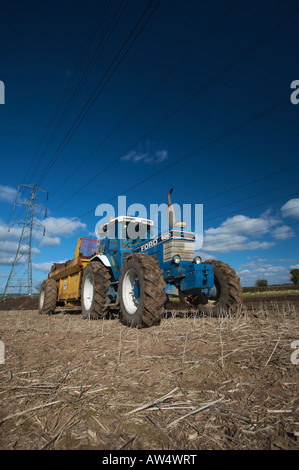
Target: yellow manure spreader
pixel 63 286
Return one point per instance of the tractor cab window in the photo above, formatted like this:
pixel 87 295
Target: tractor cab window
pixel 134 233
pixel 112 245
pixel 111 233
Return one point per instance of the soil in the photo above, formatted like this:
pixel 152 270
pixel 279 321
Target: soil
pixel 19 303
pixel 189 383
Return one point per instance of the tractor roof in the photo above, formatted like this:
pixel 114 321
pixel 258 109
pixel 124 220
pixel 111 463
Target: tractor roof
pixel 123 218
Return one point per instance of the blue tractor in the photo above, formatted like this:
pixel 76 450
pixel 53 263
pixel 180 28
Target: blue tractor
pixel 131 273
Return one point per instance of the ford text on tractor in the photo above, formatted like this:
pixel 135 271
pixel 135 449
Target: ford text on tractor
pixel 130 274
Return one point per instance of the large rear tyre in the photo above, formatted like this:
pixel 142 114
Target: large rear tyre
pixel 141 291
pixel 226 298
pixel 47 297
pixel 94 289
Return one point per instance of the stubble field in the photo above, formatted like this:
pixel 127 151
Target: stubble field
pixel 189 383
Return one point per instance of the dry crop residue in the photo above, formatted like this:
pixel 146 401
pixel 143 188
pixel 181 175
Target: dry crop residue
pixel 189 383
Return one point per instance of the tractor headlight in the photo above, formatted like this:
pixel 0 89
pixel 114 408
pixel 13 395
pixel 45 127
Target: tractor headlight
pixel 197 260
pixel 176 259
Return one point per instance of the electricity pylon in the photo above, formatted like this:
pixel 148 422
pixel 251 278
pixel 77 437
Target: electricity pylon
pixel 23 284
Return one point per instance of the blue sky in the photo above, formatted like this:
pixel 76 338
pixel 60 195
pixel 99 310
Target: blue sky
pixel 184 109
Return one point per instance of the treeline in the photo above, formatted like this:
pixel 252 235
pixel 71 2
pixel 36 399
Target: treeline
pixel 283 287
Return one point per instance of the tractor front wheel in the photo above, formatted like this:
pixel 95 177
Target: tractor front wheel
pixel 226 297
pixel 141 291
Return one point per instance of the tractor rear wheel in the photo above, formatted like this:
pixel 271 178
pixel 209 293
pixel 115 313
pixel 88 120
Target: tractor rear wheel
pixel 94 288
pixel 226 297
pixel 141 291
pixel 47 297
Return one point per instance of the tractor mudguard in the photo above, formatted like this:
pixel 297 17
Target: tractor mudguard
pixel 103 258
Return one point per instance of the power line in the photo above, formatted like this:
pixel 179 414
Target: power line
pixel 252 196
pixel 250 207
pixel 101 46
pixel 87 45
pixel 187 101
pixel 268 202
pixel 291 167
pixel 254 205
pixel 96 93
pixel 212 142
pixel 228 225
pixel 210 30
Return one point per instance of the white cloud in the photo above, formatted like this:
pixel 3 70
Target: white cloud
pixel 9 242
pixel 161 155
pixel 7 260
pixel 237 233
pixel 44 267
pixel 265 269
pixel 291 208
pixel 62 226
pixel 244 271
pixel 13 234
pixel 56 228
pixel 273 274
pixel 283 232
pixel 204 256
pixel 7 193
pixel 147 157
pixel 8 246
pixel 49 240
pixel 243 225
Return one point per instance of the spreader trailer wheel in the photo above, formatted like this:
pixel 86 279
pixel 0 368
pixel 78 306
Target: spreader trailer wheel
pixel 47 297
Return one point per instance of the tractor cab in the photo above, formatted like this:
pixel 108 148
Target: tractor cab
pixel 121 236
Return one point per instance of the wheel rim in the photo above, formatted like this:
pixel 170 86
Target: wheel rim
pixel 88 292
pixel 131 291
pixel 215 293
pixel 41 299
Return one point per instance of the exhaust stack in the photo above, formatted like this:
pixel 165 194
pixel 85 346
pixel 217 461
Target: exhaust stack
pixel 171 216
pixel 170 210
